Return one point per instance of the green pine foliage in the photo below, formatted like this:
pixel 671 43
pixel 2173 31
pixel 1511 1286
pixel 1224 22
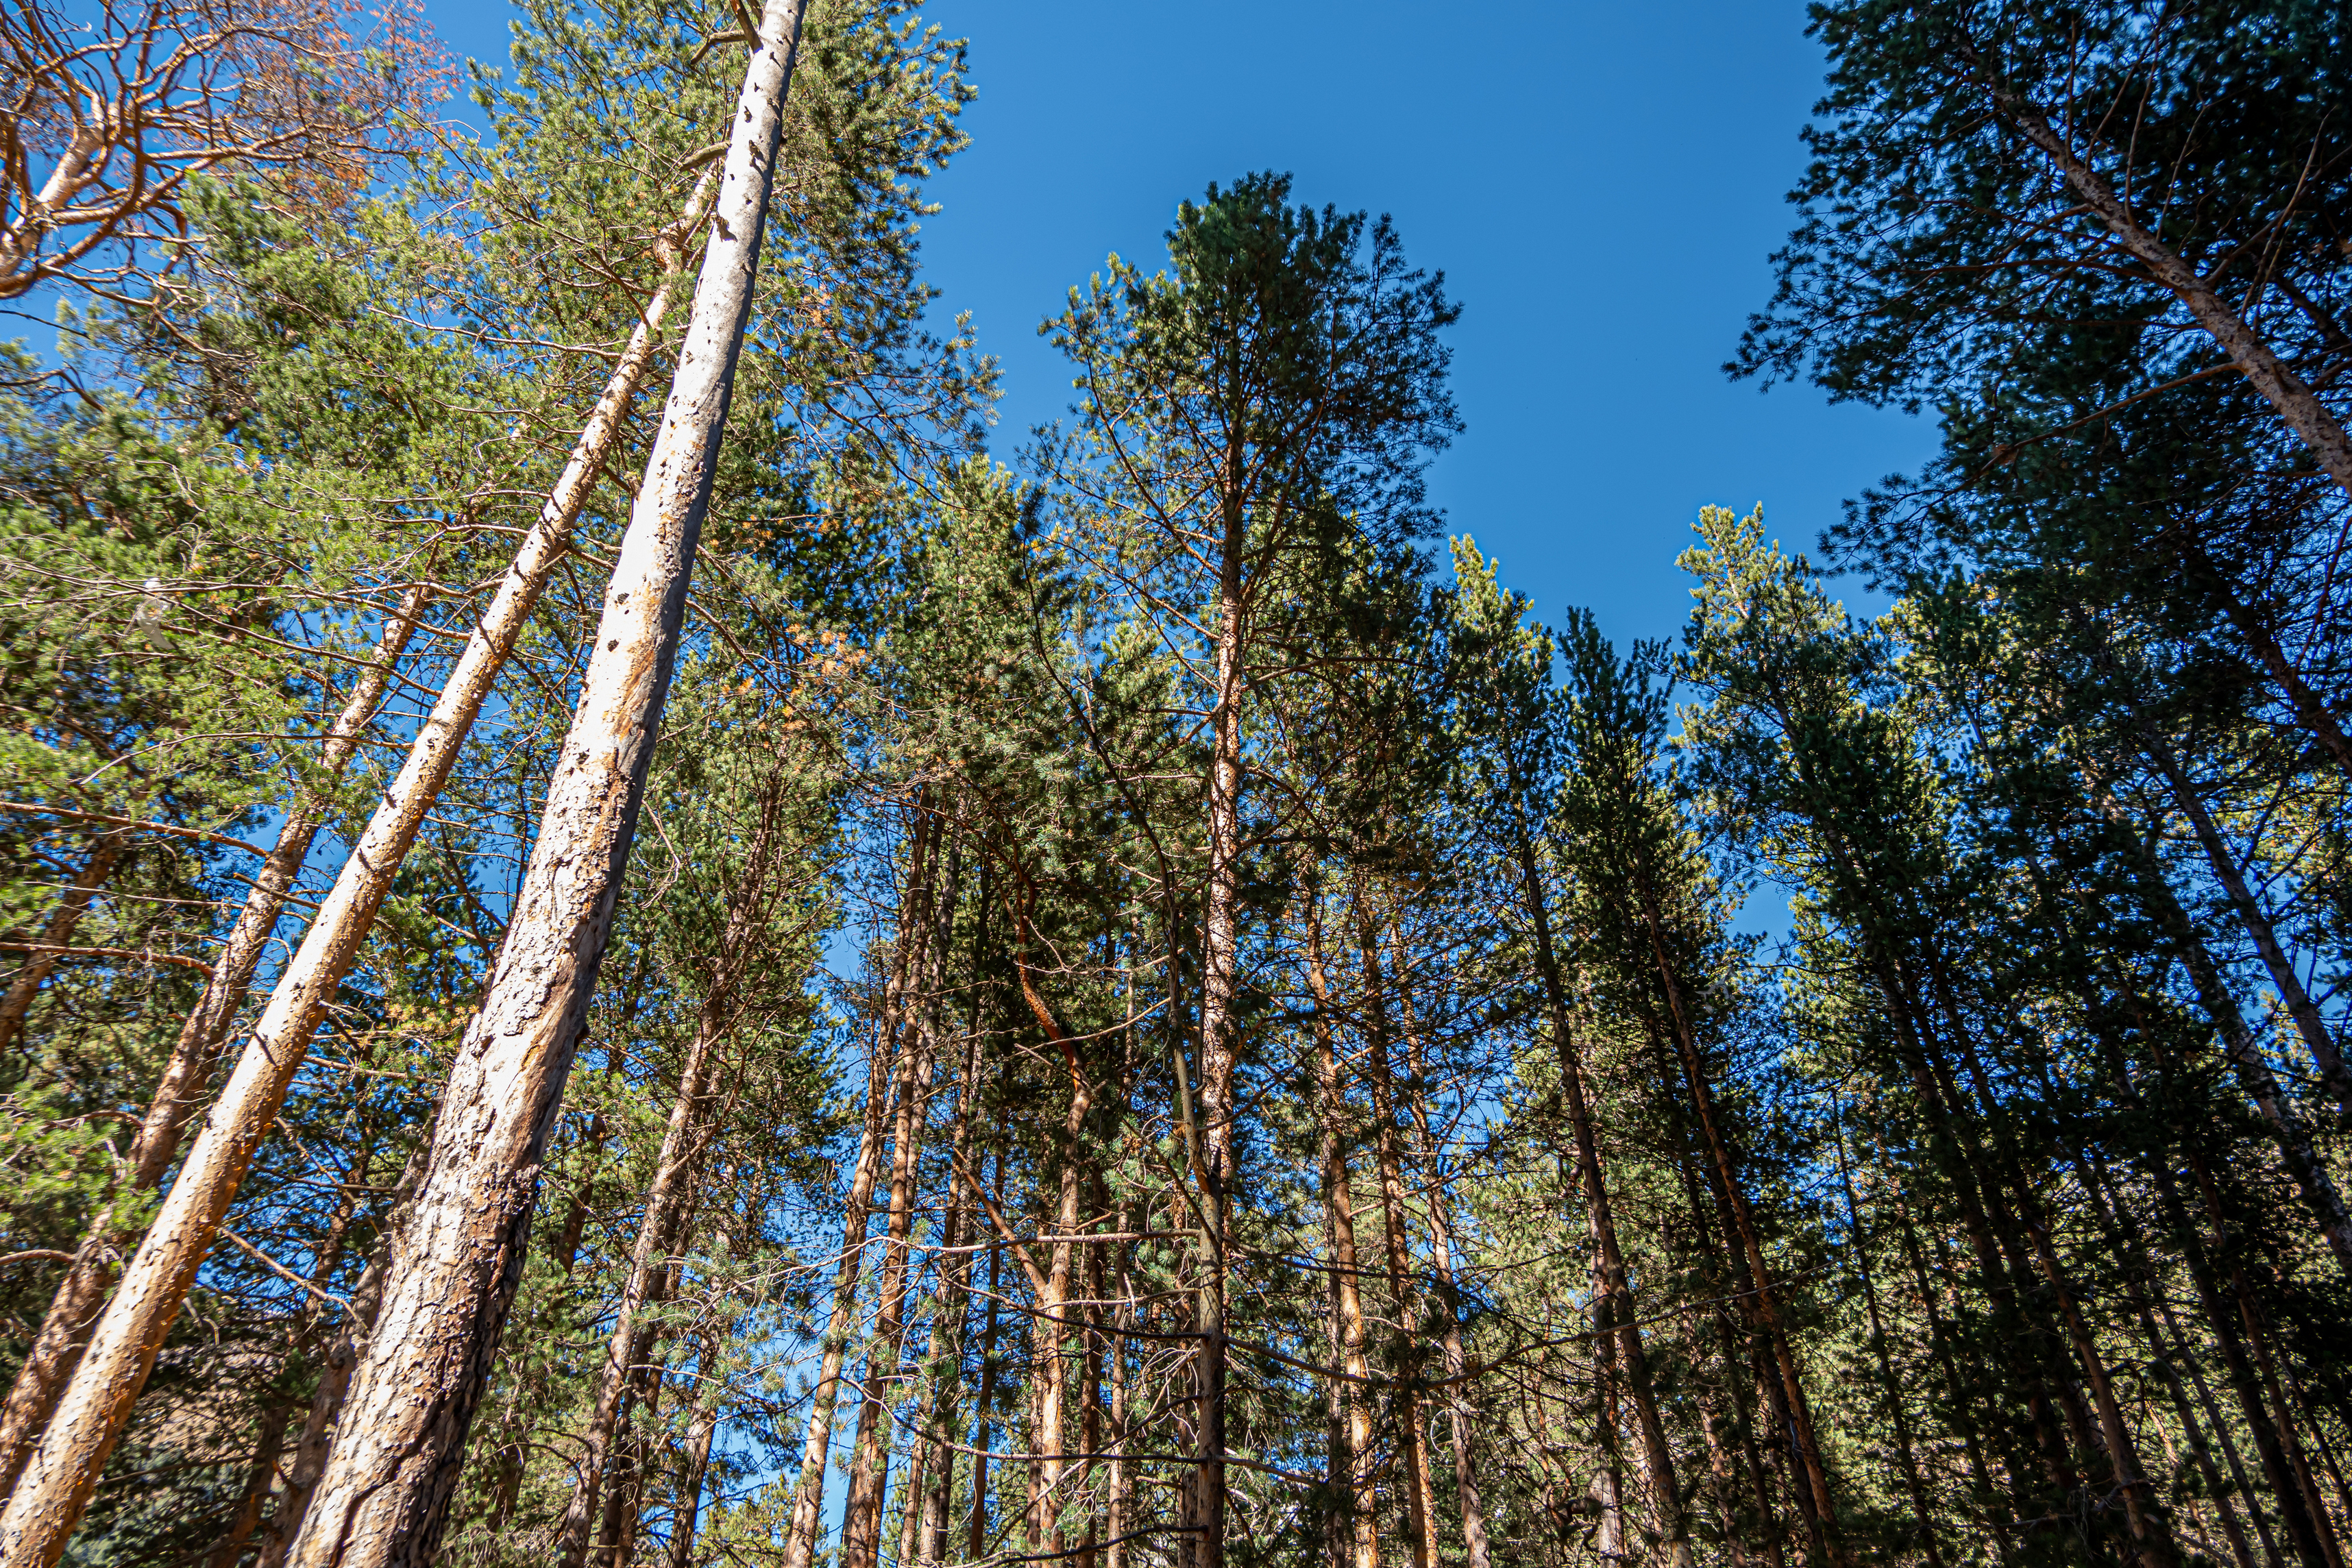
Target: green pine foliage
pixel 1989 1213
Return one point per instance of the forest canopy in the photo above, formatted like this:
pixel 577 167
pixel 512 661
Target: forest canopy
pixel 626 939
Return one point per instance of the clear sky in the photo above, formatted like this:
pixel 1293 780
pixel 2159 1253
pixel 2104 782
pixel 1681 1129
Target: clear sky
pixel 1601 184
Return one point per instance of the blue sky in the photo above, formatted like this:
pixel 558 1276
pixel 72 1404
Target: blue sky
pixel 1600 183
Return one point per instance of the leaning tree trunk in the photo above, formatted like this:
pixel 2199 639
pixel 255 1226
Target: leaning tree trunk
pixel 1615 1291
pixel 47 1503
pixel 2270 375
pixel 455 1266
pixel 56 936
pixel 73 1312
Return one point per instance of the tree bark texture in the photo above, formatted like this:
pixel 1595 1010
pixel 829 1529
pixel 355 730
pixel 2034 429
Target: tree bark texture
pixel 456 1264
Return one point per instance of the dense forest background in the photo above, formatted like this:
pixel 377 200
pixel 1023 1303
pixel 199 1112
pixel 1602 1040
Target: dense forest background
pixel 623 945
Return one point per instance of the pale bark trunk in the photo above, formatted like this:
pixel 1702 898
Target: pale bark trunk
pixel 455 1267
pixel 57 933
pixel 1353 1485
pixel 2268 374
pixel 335 1377
pixel 47 1503
pixel 73 1312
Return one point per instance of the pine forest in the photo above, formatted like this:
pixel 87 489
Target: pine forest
pixel 633 935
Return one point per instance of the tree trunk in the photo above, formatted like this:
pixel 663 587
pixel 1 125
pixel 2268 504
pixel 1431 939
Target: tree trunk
pixel 1204 1534
pixel 2264 371
pixel 73 1312
pixel 44 1508
pixel 984 1407
pixel 2333 1075
pixel 1891 1388
pixel 1616 1296
pixel 1761 1300
pixel 455 1267
pixel 808 1496
pixel 931 899
pixel 1412 1440
pixel 666 1201
pixel 1475 1550
pixel 1352 1484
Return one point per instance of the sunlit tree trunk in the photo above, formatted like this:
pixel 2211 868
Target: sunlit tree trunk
pixel 91 1410
pixel 73 1312
pixel 455 1267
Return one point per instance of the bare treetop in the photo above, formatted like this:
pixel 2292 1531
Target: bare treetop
pixel 111 117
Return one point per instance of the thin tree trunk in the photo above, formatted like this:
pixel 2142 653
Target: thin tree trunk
pixel 985 1406
pixel 2255 628
pixel 57 935
pixel 2333 1075
pixel 2264 371
pixel 2227 1323
pixel 686 1512
pixel 1204 1534
pixel 808 1496
pixel 47 1503
pixel 388 1487
pixel 1050 1328
pixel 929 895
pixel 1477 1551
pixel 73 1312
pixel 1891 1387
pixel 951 1321
pixel 1353 1484
pixel 2311 1177
pixel 666 1201
pixel 1411 1436
pixel 1761 1298
pixel 1616 1294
